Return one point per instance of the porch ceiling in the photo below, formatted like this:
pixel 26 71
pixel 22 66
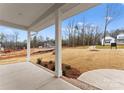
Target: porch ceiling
pixel 37 16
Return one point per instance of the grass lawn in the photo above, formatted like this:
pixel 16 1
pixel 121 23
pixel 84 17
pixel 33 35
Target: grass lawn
pixel 82 59
pixel 85 60
pixel 109 47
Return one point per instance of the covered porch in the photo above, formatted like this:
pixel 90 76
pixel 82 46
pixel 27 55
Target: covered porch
pixel 33 18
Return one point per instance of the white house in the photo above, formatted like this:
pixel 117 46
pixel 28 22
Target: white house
pixel 120 38
pixel 108 40
pixel 1 48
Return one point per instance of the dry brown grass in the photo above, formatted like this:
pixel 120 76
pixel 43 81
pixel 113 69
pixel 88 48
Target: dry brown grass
pixel 83 59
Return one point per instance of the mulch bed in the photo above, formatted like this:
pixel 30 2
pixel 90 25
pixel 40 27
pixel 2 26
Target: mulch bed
pixel 67 70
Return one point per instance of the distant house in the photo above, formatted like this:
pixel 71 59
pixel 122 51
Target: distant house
pixel 108 40
pixel 120 38
pixel 1 48
pixel 48 44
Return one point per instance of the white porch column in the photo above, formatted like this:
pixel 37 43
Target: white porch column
pixel 58 60
pixel 28 46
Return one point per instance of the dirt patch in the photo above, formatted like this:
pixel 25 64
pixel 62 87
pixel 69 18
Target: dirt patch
pixel 22 53
pixel 44 51
pixel 94 50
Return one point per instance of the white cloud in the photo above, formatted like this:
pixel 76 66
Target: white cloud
pixel 63 29
pixel 92 25
pixel 108 17
pixel 80 23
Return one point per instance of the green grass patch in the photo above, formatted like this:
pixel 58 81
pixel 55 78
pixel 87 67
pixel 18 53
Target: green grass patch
pixel 109 47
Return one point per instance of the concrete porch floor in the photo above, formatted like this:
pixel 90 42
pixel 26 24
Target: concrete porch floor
pixel 27 76
pixel 106 79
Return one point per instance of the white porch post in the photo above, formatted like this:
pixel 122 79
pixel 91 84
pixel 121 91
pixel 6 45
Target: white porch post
pixel 28 46
pixel 58 60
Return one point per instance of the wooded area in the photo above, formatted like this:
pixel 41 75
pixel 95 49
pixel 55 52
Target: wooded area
pixel 12 41
pixel 74 35
pixel 86 34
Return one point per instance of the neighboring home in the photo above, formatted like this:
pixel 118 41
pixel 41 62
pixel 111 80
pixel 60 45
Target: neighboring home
pixel 48 44
pixel 120 38
pixel 1 48
pixel 108 40
pixel 0 45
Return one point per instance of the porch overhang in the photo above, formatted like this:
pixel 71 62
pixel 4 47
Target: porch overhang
pixel 37 16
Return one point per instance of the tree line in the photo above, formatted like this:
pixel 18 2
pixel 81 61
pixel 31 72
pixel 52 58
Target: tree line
pixel 12 41
pixel 74 35
pixel 85 34
pixel 89 34
pixel 81 34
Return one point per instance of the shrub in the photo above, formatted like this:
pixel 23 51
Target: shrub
pixel 50 62
pixel 39 61
pixel 53 68
pixel 67 67
pixel 63 72
pixel 45 65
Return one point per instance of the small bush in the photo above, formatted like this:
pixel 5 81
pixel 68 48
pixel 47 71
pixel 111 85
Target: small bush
pixel 68 67
pixel 45 65
pixel 50 62
pixel 63 72
pixel 39 61
pixel 53 68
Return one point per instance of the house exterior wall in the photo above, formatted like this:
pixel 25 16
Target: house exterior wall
pixel 120 39
pixel 1 48
pixel 108 40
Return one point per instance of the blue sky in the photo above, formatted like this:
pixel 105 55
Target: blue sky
pixel 92 16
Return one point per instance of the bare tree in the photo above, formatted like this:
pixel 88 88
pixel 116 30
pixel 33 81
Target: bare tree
pixel 16 35
pixel 71 33
pixel 96 35
pixel 34 39
pixel 2 37
pixel 77 32
pixel 83 31
pixel 112 13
